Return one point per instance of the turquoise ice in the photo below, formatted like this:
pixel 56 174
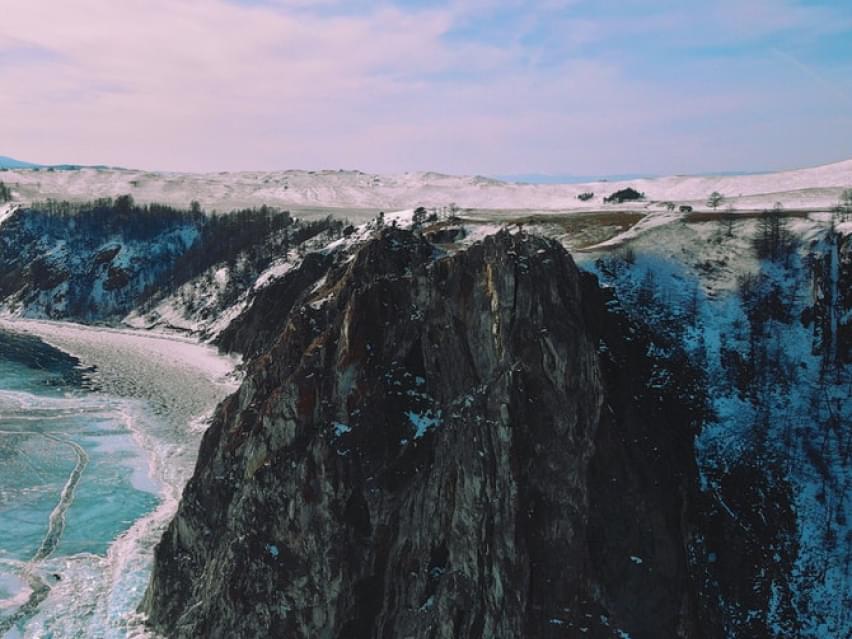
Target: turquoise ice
pixel 72 477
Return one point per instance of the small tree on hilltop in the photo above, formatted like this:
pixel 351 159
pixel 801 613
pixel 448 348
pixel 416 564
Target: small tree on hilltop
pixel 715 199
pixel 419 216
pixel 844 209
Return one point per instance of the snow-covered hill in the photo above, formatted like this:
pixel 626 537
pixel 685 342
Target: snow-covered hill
pixel 817 187
pixel 180 269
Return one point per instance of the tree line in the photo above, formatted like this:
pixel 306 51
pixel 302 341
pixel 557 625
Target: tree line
pixel 113 216
pixel 247 241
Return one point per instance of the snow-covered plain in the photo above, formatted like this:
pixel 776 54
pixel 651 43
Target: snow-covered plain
pixel 361 194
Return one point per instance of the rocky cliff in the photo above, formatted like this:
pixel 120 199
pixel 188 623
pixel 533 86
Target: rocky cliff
pixel 443 445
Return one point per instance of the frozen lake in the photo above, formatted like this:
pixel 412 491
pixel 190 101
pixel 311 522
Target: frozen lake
pixel 99 430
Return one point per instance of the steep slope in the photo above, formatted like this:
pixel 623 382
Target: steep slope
pixel 91 266
pixel 259 325
pixel 764 306
pixel 151 266
pixel 466 445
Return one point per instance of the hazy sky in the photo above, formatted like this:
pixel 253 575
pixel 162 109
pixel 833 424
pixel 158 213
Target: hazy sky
pixel 465 86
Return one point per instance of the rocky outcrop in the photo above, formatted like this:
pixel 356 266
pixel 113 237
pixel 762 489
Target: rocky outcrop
pixel 254 330
pixel 435 445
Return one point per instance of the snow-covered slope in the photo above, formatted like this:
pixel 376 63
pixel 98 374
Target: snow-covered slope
pixel 6 210
pixel 52 267
pixel 773 337
pixel 817 187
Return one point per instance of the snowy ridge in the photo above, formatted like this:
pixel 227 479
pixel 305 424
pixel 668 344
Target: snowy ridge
pixel 204 306
pixel 812 187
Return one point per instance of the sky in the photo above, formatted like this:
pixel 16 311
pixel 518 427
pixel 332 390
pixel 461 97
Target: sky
pixel 490 87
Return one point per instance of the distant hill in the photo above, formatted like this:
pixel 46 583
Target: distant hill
pixel 542 178
pixel 363 194
pixel 12 163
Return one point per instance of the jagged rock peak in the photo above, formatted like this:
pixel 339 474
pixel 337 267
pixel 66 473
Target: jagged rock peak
pixel 428 450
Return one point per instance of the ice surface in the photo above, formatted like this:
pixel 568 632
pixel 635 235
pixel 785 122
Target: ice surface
pixel 157 389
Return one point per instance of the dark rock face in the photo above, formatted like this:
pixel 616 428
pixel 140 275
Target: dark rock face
pixel 749 532
pixel 255 330
pixel 441 446
pixel 445 234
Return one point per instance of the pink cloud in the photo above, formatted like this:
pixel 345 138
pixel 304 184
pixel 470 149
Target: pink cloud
pixel 191 85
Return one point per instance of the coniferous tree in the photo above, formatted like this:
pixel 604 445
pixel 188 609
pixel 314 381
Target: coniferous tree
pixel 715 199
pixel 419 216
pixel 774 241
pixel 844 208
pixel 727 221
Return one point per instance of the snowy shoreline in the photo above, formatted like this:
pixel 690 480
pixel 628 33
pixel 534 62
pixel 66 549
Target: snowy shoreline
pixel 168 386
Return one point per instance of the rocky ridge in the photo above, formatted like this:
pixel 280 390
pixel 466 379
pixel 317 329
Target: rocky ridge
pixel 463 445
